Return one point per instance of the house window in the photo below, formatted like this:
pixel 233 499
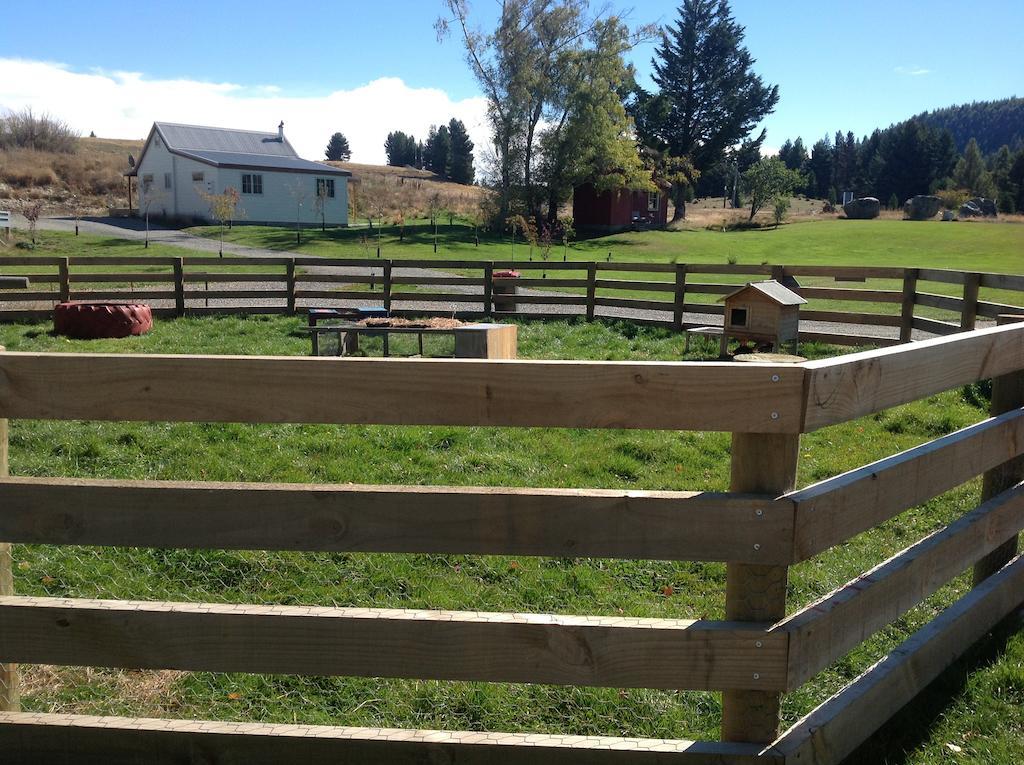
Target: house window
pixel 197 177
pixel 325 187
pixel 252 183
pixel 653 201
pixel 167 180
pixel 738 317
pixel 147 181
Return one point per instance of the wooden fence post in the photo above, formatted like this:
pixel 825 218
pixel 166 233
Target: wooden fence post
pixel 488 289
pixel 65 280
pixel 9 693
pixel 1007 394
pixel 680 297
pixel 969 313
pixel 290 277
pixel 387 286
pixel 179 286
pixel 762 463
pixel 591 290
pixel 909 296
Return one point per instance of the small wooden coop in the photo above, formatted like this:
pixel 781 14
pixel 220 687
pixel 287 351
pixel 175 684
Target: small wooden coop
pixel 764 313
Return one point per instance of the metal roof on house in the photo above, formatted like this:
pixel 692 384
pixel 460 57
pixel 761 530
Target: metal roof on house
pixel 239 159
pixel 771 288
pixel 228 147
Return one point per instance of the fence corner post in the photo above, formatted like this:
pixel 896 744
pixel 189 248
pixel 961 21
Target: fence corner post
pixel 591 289
pixel 969 312
pixel 179 286
pixel 65 280
pixel 1007 394
pixel 762 463
pixel 909 298
pixel 10 697
pixel 680 297
pixel 290 280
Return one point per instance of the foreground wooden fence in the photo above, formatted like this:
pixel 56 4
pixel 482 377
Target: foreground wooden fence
pixel 201 285
pixel 759 528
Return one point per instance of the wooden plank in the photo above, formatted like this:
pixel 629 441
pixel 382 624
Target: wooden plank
pixel 34 738
pixel 290 286
pixel 679 297
pixel 29 297
pixel 367 298
pixel 838 508
pixel 1007 396
pixel 707 288
pixel 514 265
pixel 21 260
pixel 844 293
pixel 199 276
pixel 829 628
pixel 709 308
pixel 236 295
pixel 521 282
pixel 944 276
pixel 714 268
pixel 848 340
pixel 642 305
pixel 605 394
pixel 10 695
pixel 841 272
pixel 124 278
pixel 118 260
pixel 852 317
pixel 591 291
pixel 602 651
pixel 26 315
pixel 658 268
pixel 179 287
pixel 935 327
pixel 944 302
pixel 65 280
pixel 474 281
pixel 413 519
pixel 122 294
pixel 832 731
pixel 226 310
pixel 765 464
pixel 234 260
pixel 629 284
pixel 998 281
pixel 528 299
pixel 305 279
pixel 368 262
pixel 993 310
pixel 438 297
pixel 852 386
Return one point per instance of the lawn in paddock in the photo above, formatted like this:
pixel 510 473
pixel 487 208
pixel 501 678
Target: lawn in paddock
pixel 984 715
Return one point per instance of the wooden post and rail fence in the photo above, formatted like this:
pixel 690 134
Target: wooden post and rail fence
pixel 176 286
pixel 753 653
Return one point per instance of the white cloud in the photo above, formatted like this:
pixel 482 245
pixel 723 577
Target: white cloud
pixel 912 71
pixel 125 104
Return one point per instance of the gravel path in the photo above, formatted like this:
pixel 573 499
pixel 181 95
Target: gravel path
pixel 133 229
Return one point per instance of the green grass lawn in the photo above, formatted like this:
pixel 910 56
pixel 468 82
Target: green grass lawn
pixel 983 715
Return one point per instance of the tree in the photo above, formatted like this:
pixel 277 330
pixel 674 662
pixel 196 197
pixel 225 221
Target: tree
pixel 338 149
pixel 793 154
pixel 401 149
pixel 970 173
pixel 709 98
pixel 820 166
pixel 32 211
pixel 438 150
pixel 222 210
pixel 780 209
pixel 461 160
pixel 767 179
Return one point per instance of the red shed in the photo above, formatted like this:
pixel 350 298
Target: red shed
pixel 617 210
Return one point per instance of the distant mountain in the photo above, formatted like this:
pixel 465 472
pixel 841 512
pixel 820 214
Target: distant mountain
pixel 991 123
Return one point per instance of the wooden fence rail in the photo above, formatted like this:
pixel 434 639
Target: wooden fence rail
pixel 752 654
pixel 664 293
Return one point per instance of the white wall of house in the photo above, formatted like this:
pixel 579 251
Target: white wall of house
pixel 176 189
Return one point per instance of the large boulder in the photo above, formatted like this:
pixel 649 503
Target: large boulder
pixel 922 207
pixel 987 206
pixel 864 208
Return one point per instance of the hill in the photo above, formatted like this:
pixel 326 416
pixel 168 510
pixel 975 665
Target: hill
pixel 991 123
pixel 90 179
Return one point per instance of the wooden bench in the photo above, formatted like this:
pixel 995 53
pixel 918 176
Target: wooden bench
pixel 478 341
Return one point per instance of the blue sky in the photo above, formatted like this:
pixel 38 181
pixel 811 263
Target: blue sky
pixel 852 70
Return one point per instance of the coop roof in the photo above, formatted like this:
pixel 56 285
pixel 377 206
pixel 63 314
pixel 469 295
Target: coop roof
pixel 772 289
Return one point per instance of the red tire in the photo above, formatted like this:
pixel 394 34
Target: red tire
pixel 87 321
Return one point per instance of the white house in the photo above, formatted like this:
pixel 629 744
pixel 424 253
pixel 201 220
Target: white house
pixel 180 164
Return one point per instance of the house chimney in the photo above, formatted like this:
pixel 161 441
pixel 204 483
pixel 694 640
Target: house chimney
pixel 280 132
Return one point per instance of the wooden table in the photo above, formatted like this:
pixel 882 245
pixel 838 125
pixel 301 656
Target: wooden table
pixel 488 341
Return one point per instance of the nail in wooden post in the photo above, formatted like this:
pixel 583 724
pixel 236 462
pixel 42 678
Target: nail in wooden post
pixel 969 313
pixel 1007 394
pixel 909 296
pixel 10 698
pixel 762 463
pixel 179 286
pixel 65 280
pixel 591 290
pixel 290 277
pixel 680 297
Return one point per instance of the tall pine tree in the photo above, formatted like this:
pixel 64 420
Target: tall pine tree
pixel 709 97
pixel 400 149
pixel 461 161
pixel 338 149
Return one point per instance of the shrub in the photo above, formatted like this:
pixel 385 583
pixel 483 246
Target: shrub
pixel 780 209
pixel 24 130
pixel 952 198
